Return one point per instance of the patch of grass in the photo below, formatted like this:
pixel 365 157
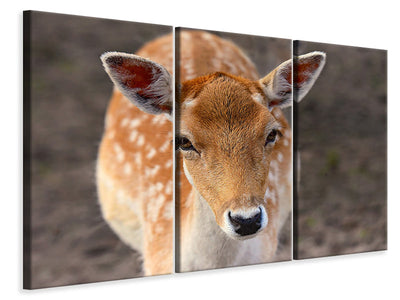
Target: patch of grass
pixel 311 222
pixel 44 169
pixel 332 159
pixel 362 171
pixel 66 66
pixel 38 84
pixel 364 233
pixel 332 162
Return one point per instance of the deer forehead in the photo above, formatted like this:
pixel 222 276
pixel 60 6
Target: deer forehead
pixel 226 106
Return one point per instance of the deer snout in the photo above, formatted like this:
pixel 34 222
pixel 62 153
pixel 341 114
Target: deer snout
pixel 245 223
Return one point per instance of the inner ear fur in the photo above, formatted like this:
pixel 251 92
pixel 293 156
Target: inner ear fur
pixel 144 82
pixel 278 86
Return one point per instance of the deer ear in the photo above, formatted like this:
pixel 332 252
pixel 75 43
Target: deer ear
pixel 306 70
pixel 277 85
pixel 144 82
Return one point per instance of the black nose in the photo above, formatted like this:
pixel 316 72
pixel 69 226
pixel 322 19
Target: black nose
pixel 246 226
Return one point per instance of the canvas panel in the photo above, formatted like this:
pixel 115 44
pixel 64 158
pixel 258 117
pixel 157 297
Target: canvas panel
pixel 214 182
pixel 340 141
pixel 66 96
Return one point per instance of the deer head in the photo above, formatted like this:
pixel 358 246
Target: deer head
pixel 228 135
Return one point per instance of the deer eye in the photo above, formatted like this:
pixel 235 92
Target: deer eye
pixel 184 144
pixel 272 136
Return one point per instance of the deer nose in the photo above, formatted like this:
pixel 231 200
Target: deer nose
pixel 246 225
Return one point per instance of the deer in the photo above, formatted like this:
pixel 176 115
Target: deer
pixel 233 149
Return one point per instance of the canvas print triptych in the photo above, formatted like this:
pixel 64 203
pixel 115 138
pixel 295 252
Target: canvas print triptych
pixel 152 149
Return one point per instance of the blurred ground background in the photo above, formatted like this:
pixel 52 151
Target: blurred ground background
pixel 69 94
pixel 70 90
pixel 342 138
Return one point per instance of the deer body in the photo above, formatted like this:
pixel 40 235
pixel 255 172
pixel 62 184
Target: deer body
pixel 234 153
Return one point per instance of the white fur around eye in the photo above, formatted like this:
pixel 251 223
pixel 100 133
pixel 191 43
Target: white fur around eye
pixel 188 176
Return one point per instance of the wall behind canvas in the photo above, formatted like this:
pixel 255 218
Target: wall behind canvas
pixel 368 275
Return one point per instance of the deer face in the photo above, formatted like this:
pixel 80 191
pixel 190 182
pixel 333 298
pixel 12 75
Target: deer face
pixel 226 139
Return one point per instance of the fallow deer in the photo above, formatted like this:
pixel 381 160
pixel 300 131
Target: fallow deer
pixel 234 144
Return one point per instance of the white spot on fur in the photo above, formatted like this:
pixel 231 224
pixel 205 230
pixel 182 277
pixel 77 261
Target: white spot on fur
pixel 144 117
pixel 151 153
pixel 286 133
pixel 120 154
pixel 151 192
pixel 159 119
pixel 257 97
pixel 154 206
pixel 140 141
pixel 189 69
pixel 280 157
pixel 138 159
pixel 133 135
pixel 208 37
pixel 159 186
pixel 185 35
pixel 168 188
pixel 270 194
pixel 124 122
pixel 274 165
pixel 285 142
pixel 189 102
pixel 271 176
pixel 134 123
pixel 165 146
pixel 273 197
pixel 168 212
pixel 158 229
pixel 151 172
pixel 111 134
pixel 127 169
pixel 267 194
pixel 188 66
pixel 168 164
